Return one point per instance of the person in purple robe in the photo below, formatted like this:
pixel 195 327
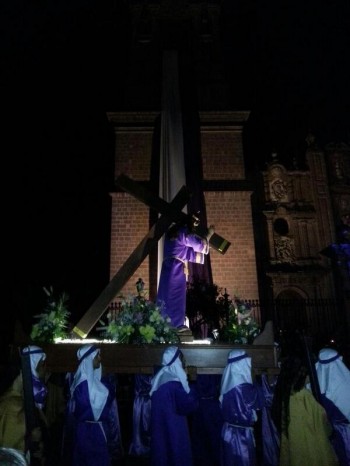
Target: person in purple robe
pixel 181 245
pixel 112 425
pixel 172 400
pixel 91 402
pixel 206 421
pixel 270 438
pixel 239 402
pixel 334 381
pixel 68 431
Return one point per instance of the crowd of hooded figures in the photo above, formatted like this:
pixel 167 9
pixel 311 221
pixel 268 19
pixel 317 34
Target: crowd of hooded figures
pixel 181 418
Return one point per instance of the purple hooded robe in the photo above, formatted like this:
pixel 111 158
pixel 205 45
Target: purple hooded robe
pixel 269 434
pixel 171 401
pixel 239 402
pixel 141 435
pixel 91 402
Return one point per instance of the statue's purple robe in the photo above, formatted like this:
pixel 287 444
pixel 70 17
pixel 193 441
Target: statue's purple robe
pixel 170 438
pixel 172 283
pixel 237 435
pixel 141 434
pixel 90 442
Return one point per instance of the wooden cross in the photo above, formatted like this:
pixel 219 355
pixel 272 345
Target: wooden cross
pixel 216 241
pixel 170 213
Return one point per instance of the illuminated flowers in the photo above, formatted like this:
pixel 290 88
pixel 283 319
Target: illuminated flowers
pixel 138 322
pixel 240 328
pixel 53 321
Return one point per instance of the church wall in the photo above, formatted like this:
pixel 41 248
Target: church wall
pixel 230 212
pixel 222 154
pixel 321 195
pixel 133 153
pixel 128 227
pixel 338 163
pixel 130 217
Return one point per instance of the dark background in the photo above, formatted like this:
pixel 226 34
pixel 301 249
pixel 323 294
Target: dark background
pixel 63 66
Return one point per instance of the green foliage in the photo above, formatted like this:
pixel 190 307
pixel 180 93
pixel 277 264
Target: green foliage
pixel 240 328
pixel 138 322
pixel 53 321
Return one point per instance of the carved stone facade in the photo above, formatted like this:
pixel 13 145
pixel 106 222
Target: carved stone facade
pixel 303 253
pixel 295 229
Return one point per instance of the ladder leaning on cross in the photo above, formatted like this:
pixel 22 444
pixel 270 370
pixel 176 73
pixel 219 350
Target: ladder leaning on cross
pixel 170 213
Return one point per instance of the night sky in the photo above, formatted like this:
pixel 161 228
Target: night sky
pixel 62 69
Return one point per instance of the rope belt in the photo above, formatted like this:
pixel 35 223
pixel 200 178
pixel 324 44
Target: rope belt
pixel 174 257
pixel 186 272
pixel 101 427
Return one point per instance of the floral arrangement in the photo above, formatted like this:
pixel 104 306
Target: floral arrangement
pixel 140 321
pixel 53 321
pixel 240 328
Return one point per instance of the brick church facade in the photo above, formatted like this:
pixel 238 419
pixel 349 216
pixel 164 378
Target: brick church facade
pixel 283 223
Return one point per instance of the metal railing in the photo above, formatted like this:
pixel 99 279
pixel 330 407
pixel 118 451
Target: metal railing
pixel 313 317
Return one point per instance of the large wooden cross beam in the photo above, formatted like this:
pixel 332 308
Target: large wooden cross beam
pixel 130 186
pixel 171 212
